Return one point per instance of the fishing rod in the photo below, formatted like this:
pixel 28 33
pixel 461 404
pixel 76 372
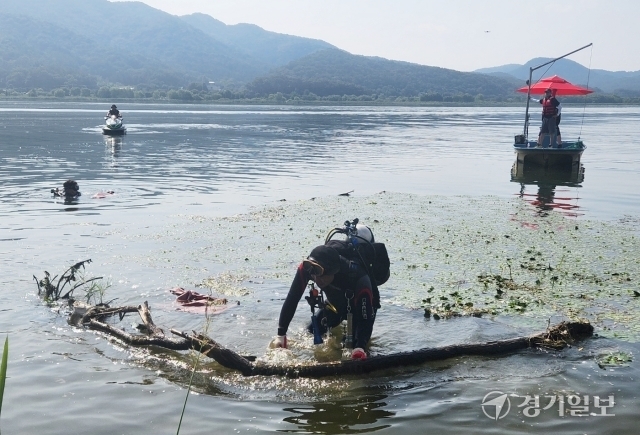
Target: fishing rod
pixel 531 70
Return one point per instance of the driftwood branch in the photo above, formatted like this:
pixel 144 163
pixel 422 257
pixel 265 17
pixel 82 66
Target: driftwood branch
pixel 139 340
pixel 93 317
pixel 222 355
pixel 98 312
pixel 556 337
pixel 145 315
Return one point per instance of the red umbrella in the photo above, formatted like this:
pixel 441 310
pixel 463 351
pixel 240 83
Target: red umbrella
pixel 561 86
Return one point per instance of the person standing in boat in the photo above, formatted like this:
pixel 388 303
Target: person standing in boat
pixel 559 109
pixel 114 111
pixel 549 115
pixel 348 290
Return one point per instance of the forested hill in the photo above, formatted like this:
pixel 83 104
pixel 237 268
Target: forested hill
pixel 130 43
pixel 131 50
pixel 619 82
pixel 47 44
pixel 332 71
pixel 273 49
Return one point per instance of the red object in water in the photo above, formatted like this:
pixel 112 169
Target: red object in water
pixel 189 300
pixel 561 86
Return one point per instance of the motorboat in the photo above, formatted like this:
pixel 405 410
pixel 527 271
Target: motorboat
pixel 113 126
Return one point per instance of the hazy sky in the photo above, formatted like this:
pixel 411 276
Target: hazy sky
pixel 459 34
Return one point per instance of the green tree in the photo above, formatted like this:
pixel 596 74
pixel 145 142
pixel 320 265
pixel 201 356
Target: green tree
pixel 121 92
pixel 180 94
pixel 104 92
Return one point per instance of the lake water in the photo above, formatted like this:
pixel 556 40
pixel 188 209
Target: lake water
pixel 234 196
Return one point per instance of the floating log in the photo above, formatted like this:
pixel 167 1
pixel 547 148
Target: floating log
pixel 556 337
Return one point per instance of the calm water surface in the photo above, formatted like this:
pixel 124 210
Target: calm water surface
pixel 179 161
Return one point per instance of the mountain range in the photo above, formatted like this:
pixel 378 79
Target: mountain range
pixel 621 82
pixel 48 44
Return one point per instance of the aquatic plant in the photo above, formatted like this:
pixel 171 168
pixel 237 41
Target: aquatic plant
pixel 94 293
pixel 450 255
pixel 3 370
pixel 613 359
pixel 51 290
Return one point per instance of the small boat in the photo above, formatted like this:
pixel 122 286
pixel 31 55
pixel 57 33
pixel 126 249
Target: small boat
pixel 566 154
pixel 114 126
pixel 548 153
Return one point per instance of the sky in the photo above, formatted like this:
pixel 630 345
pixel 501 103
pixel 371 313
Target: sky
pixel 464 35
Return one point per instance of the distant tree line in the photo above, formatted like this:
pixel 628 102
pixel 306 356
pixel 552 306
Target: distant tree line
pixel 194 93
pixel 281 90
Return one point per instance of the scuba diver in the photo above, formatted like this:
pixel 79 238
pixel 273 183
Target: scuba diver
pixel 348 273
pixel 114 111
pixel 70 190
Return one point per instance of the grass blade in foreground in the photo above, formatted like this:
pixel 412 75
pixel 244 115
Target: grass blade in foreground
pixel 3 370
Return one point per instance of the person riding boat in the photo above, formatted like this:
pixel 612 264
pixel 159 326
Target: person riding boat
pixel 114 111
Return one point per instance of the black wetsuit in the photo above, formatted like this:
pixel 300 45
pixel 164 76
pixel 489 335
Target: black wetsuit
pixel 350 290
pixel 114 112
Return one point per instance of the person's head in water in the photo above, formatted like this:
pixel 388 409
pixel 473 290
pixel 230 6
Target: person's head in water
pixel 322 264
pixel 71 188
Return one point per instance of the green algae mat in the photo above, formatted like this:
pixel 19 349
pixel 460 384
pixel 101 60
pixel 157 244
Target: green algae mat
pixel 450 256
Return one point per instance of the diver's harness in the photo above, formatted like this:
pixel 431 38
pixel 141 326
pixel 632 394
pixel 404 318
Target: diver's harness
pixel 316 297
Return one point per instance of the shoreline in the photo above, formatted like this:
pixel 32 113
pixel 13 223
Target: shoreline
pixel 289 103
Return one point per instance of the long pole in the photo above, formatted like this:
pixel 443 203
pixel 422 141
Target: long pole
pixel 531 70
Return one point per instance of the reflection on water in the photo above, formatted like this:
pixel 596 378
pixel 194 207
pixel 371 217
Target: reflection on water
pixel 114 145
pixel 346 416
pixel 547 179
